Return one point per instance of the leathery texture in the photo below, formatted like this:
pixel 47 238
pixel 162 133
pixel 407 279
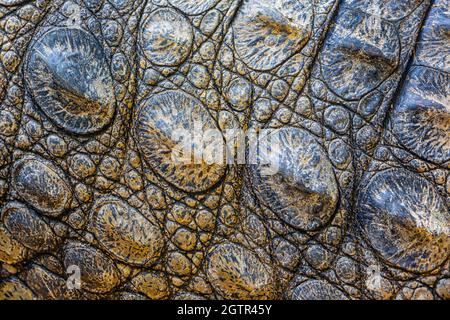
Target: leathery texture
pixel 93 206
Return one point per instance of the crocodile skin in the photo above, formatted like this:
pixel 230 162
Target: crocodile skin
pixel 92 90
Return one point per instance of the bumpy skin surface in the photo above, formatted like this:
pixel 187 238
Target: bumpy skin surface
pixel 90 91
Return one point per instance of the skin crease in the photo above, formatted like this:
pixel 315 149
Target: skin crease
pixel 96 204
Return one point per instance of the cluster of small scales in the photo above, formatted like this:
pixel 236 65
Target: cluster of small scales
pixel 91 90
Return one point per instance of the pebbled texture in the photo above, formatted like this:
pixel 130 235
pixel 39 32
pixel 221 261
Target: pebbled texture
pixel 92 90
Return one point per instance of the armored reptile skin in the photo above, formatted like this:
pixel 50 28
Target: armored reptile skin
pixel 92 206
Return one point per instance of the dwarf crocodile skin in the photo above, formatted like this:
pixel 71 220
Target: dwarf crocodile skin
pixel 93 206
